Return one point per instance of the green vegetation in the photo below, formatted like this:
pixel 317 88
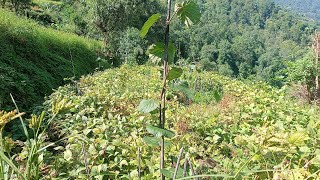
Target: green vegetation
pixel 29 164
pixel 19 6
pixel 225 105
pixel 34 60
pixel 189 13
pixel 303 73
pixel 254 131
pixel 307 8
pixel 247 39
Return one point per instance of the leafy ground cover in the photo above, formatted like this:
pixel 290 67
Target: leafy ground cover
pixel 34 60
pixel 252 131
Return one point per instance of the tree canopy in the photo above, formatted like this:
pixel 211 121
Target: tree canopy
pixel 308 8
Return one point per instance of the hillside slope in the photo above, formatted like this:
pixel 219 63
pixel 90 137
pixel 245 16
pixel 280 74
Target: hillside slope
pixel 34 60
pixel 253 130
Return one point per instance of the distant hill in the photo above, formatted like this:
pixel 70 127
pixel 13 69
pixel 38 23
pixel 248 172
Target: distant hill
pixel 309 8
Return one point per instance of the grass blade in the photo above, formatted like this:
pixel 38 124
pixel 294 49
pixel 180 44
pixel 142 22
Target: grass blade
pixel 10 163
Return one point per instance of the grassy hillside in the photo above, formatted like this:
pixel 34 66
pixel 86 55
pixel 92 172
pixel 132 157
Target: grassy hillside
pixel 34 60
pixel 255 131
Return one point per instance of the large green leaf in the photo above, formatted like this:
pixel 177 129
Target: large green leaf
pixel 147 25
pixel 158 132
pixel 169 172
pixel 147 106
pixel 188 12
pixel 184 88
pixel 174 73
pixel 156 52
pixel 155 141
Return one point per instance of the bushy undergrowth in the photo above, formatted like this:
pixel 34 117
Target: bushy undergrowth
pixel 255 131
pixel 34 60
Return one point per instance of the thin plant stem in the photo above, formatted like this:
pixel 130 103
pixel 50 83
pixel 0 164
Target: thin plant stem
pixel 139 163
pixel 185 167
pixel 178 163
pixel 242 167
pixel 163 92
pixel 2 169
pixel 85 161
pixel 192 170
pixel 23 125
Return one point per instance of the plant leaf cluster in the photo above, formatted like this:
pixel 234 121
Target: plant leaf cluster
pixel 253 131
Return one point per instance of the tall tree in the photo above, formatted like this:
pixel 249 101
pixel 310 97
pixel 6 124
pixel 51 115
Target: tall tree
pixel 114 16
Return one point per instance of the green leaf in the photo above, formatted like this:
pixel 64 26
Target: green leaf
pixel 40 158
pixel 147 106
pixel 67 155
pixel 156 52
pixel 147 25
pixel 158 132
pixel 316 160
pixel 123 163
pixel 154 141
pixel 298 139
pixel 169 172
pixel 188 12
pixel 111 148
pixel 217 95
pixel 174 73
pixel 87 131
pixel 184 88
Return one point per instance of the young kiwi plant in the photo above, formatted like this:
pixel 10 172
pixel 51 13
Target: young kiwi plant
pixel 189 13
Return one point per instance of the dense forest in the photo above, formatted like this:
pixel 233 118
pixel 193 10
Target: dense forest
pixel 307 8
pixel 247 39
pixel 135 89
